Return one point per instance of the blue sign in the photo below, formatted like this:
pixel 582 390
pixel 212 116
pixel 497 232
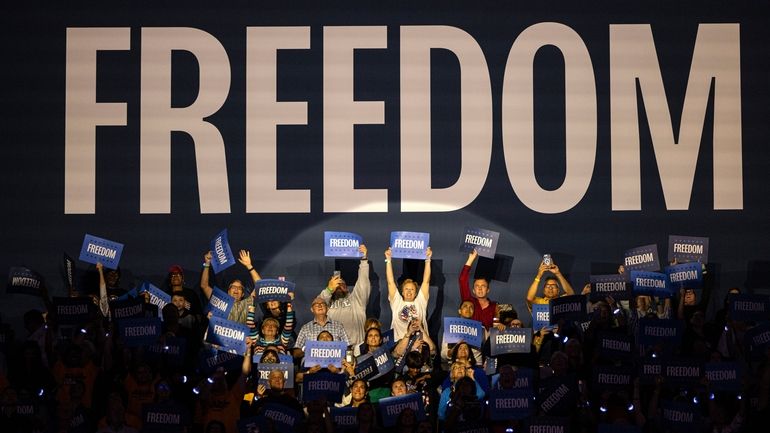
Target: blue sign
pixel 388 339
pixel 523 379
pixel 163 417
pixel 650 284
pixel 612 378
pixel 251 424
pixel 724 376
pixel 73 311
pixel 614 285
pixel 649 370
pixel 344 417
pixel 227 334
pixel 264 370
pixel 25 281
pixel 571 307
pixel 541 316
pixel 682 371
pixel 642 259
pixel 541 424
pixel 613 345
pixel 324 353
pixel 220 303
pixel 171 349
pixel 685 249
pixel 391 407
pixel 138 332
pixel 557 397
pixel 323 386
pixel 366 367
pixel 667 331
pixel 273 290
pixel 749 307
pixel 97 250
pixel 127 308
pixel 158 297
pixel 510 404
pixel 342 244
pixel 686 275
pixel 285 419
pixel 510 340
pixel 383 361
pixel 481 240
pixel 221 255
pixel 68 270
pixel 409 245
pixel 211 359
pixel 757 339
pixel 680 417
pixel 457 329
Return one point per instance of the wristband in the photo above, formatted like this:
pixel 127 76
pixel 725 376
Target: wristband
pixel 387 260
pixel 250 269
pixel 206 265
pixel 427 260
pixel 537 279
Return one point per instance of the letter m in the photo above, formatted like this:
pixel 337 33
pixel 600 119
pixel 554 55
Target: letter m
pixel 715 63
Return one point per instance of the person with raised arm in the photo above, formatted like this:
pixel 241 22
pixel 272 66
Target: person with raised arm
pixel 346 307
pixel 484 309
pixel 551 289
pixel 407 303
pixel 235 289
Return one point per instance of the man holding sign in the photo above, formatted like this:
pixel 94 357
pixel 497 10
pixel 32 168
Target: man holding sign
pixel 484 309
pixel 239 311
pixel 346 307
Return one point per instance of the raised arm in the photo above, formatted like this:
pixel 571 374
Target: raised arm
pixel 205 287
pixel 532 291
pixel 425 286
pixel 568 290
pixel 244 258
pixel 465 276
pixel 392 288
pixel 104 301
pixel 363 286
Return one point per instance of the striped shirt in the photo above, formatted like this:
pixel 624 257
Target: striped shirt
pixel 311 330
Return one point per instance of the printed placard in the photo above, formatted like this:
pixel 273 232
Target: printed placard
pixel 68 270
pixel 164 417
pixel 482 240
pixel 688 249
pixel 345 418
pixel 211 359
pixel 220 303
pixel 366 368
pixel 612 378
pixel 73 311
pixel 388 339
pixel 227 334
pixel 24 281
pixel 273 290
pixel 680 417
pixel 323 385
pixel 757 339
pixel 557 397
pixel 667 331
pixel 682 371
pixel 391 407
pixel 457 329
pixel 650 284
pixel 510 340
pixel 749 307
pixel 172 349
pixel 643 258
pixel 264 371
pixel 127 308
pixel 409 245
pixel 221 255
pixel 541 316
pixel 542 424
pixel 284 418
pixel 649 370
pixel 686 275
pixel 571 307
pixel 510 404
pixel 724 376
pixel 523 378
pixel 324 353
pixel 614 285
pixel 342 244
pixel 98 250
pixel 384 362
pixel 158 297
pixel 139 332
pixel 131 294
pixel 613 345
pixel 251 424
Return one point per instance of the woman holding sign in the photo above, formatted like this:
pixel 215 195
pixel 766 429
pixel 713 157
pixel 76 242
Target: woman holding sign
pixel 408 303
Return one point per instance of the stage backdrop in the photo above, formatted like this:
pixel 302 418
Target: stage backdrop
pixel 579 130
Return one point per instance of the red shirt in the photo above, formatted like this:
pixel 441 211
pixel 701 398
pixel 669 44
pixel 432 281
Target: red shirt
pixel 484 315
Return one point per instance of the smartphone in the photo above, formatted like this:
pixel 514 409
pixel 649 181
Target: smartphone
pixel 349 356
pixel 547 260
pixel 337 274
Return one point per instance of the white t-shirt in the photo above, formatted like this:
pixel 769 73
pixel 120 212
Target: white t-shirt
pixel 403 311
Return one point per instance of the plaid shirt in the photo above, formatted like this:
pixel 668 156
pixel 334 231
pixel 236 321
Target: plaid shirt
pixel 311 330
